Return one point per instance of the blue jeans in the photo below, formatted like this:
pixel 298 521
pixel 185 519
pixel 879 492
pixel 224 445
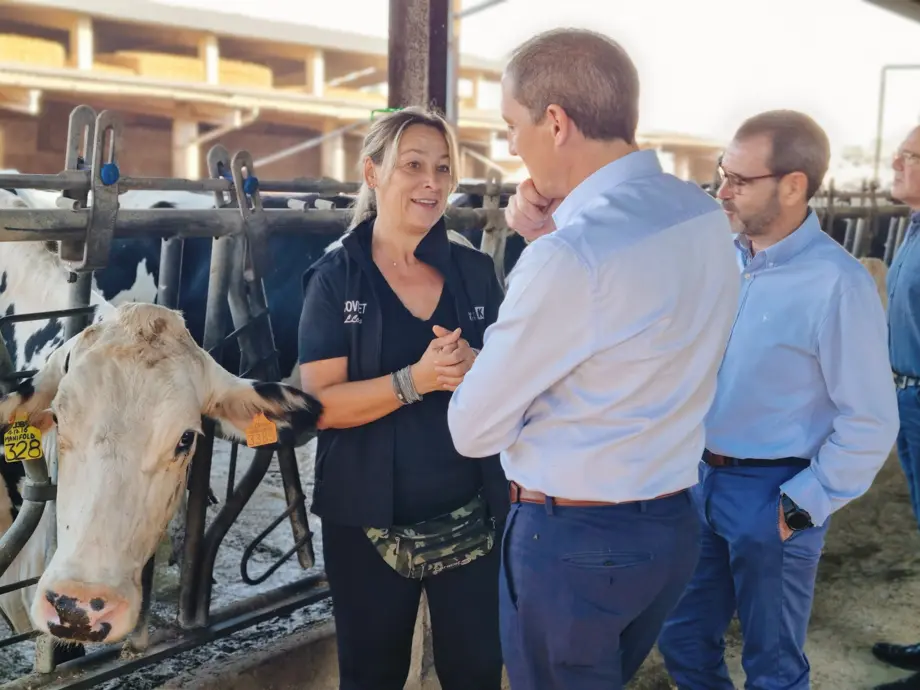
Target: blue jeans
pixel 583 591
pixel 909 443
pixel 744 566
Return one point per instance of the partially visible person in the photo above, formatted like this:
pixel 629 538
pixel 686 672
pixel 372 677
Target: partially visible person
pixel 804 416
pixel 390 323
pixel 904 342
pixel 594 381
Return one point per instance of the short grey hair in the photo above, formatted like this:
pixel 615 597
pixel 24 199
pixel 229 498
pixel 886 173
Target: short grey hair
pixel 799 144
pixel 587 74
pixel 381 145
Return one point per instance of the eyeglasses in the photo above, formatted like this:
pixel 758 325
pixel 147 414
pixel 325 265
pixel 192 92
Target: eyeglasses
pixel 908 157
pixel 738 182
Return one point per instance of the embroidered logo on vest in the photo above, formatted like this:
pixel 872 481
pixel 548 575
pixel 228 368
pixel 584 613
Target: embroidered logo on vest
pixel 353 310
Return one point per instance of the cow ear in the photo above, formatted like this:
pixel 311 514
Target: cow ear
pixel 34 394
pixel 262 414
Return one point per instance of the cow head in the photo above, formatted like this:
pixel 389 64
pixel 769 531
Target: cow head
pixel 125 398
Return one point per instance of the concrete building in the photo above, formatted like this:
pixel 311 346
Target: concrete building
pixel 184 79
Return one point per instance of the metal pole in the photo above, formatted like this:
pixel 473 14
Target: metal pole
pixel 476 9
pixel 308 144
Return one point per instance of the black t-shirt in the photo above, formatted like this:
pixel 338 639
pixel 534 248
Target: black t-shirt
pixel 430 477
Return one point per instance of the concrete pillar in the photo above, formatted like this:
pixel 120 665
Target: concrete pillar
pixel 332 154
pixel 476 98
pixel 81 44
pixel 407 58
pixel 682 165
pixel 209 52
pixel 186 154
pixel 315 70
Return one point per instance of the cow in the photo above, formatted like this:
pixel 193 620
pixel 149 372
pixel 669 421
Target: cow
pixel 878 269
pixel 120 406
pixel 132 271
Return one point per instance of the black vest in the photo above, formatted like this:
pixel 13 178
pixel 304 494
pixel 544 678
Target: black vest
pixel 354 467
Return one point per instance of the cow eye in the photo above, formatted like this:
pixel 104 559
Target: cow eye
pixel 185 443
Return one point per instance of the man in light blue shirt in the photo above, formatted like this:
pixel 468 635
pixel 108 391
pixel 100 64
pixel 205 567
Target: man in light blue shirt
pixel 594 381
pixel 804 416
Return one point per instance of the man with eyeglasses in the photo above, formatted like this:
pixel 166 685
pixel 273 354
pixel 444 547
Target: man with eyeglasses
pixel 904 347
pixel 804 416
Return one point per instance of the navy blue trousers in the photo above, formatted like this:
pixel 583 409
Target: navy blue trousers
pixel 744 566
pixel 909 443
pixel 584 590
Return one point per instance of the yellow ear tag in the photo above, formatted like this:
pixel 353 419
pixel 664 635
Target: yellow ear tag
pixel 261 432
pixel 22 441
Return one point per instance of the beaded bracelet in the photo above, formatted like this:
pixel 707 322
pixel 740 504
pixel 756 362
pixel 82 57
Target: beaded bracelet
pixel 404 387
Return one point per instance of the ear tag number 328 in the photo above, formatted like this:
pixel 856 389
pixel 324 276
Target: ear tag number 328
pixel 262 432
pixel 22 441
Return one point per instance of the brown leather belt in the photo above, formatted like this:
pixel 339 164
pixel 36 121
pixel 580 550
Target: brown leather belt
pixel 521 495
pixel 716 460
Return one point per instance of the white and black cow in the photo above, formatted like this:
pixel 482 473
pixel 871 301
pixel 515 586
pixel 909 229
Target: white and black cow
pixel 132 272
pixel 120 406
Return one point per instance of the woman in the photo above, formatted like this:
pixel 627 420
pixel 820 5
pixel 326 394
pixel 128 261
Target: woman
pixel 390 324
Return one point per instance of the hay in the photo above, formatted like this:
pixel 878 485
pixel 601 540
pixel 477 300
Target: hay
pixel 238 73
pixel 34 51
pixel 157 65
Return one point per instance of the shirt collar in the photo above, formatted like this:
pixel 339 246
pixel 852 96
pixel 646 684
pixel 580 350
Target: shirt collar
pixel 629 167
pixel 789 246
pixel 433 249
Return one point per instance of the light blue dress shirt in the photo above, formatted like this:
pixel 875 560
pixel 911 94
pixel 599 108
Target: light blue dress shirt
pixel 594 381
pixel 806 371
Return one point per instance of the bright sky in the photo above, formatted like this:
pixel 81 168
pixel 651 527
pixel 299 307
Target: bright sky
pixel 704 65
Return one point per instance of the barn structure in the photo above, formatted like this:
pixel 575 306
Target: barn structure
pixel 295 96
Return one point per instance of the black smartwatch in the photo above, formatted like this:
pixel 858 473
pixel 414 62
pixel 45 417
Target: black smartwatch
pixel 796 518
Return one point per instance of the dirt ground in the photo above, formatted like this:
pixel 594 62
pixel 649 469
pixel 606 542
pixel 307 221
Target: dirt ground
pixel 868 590
pixel 868 587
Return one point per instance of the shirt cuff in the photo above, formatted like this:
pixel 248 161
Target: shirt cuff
pixel 809 494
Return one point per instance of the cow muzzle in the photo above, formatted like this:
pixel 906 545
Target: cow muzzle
pixel 77 612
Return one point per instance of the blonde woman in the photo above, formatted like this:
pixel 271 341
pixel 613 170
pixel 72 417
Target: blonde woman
pixel 391 323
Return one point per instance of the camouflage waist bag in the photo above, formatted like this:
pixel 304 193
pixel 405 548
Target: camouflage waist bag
pixel 438 544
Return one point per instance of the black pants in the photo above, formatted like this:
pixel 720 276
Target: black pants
pixel 375 611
